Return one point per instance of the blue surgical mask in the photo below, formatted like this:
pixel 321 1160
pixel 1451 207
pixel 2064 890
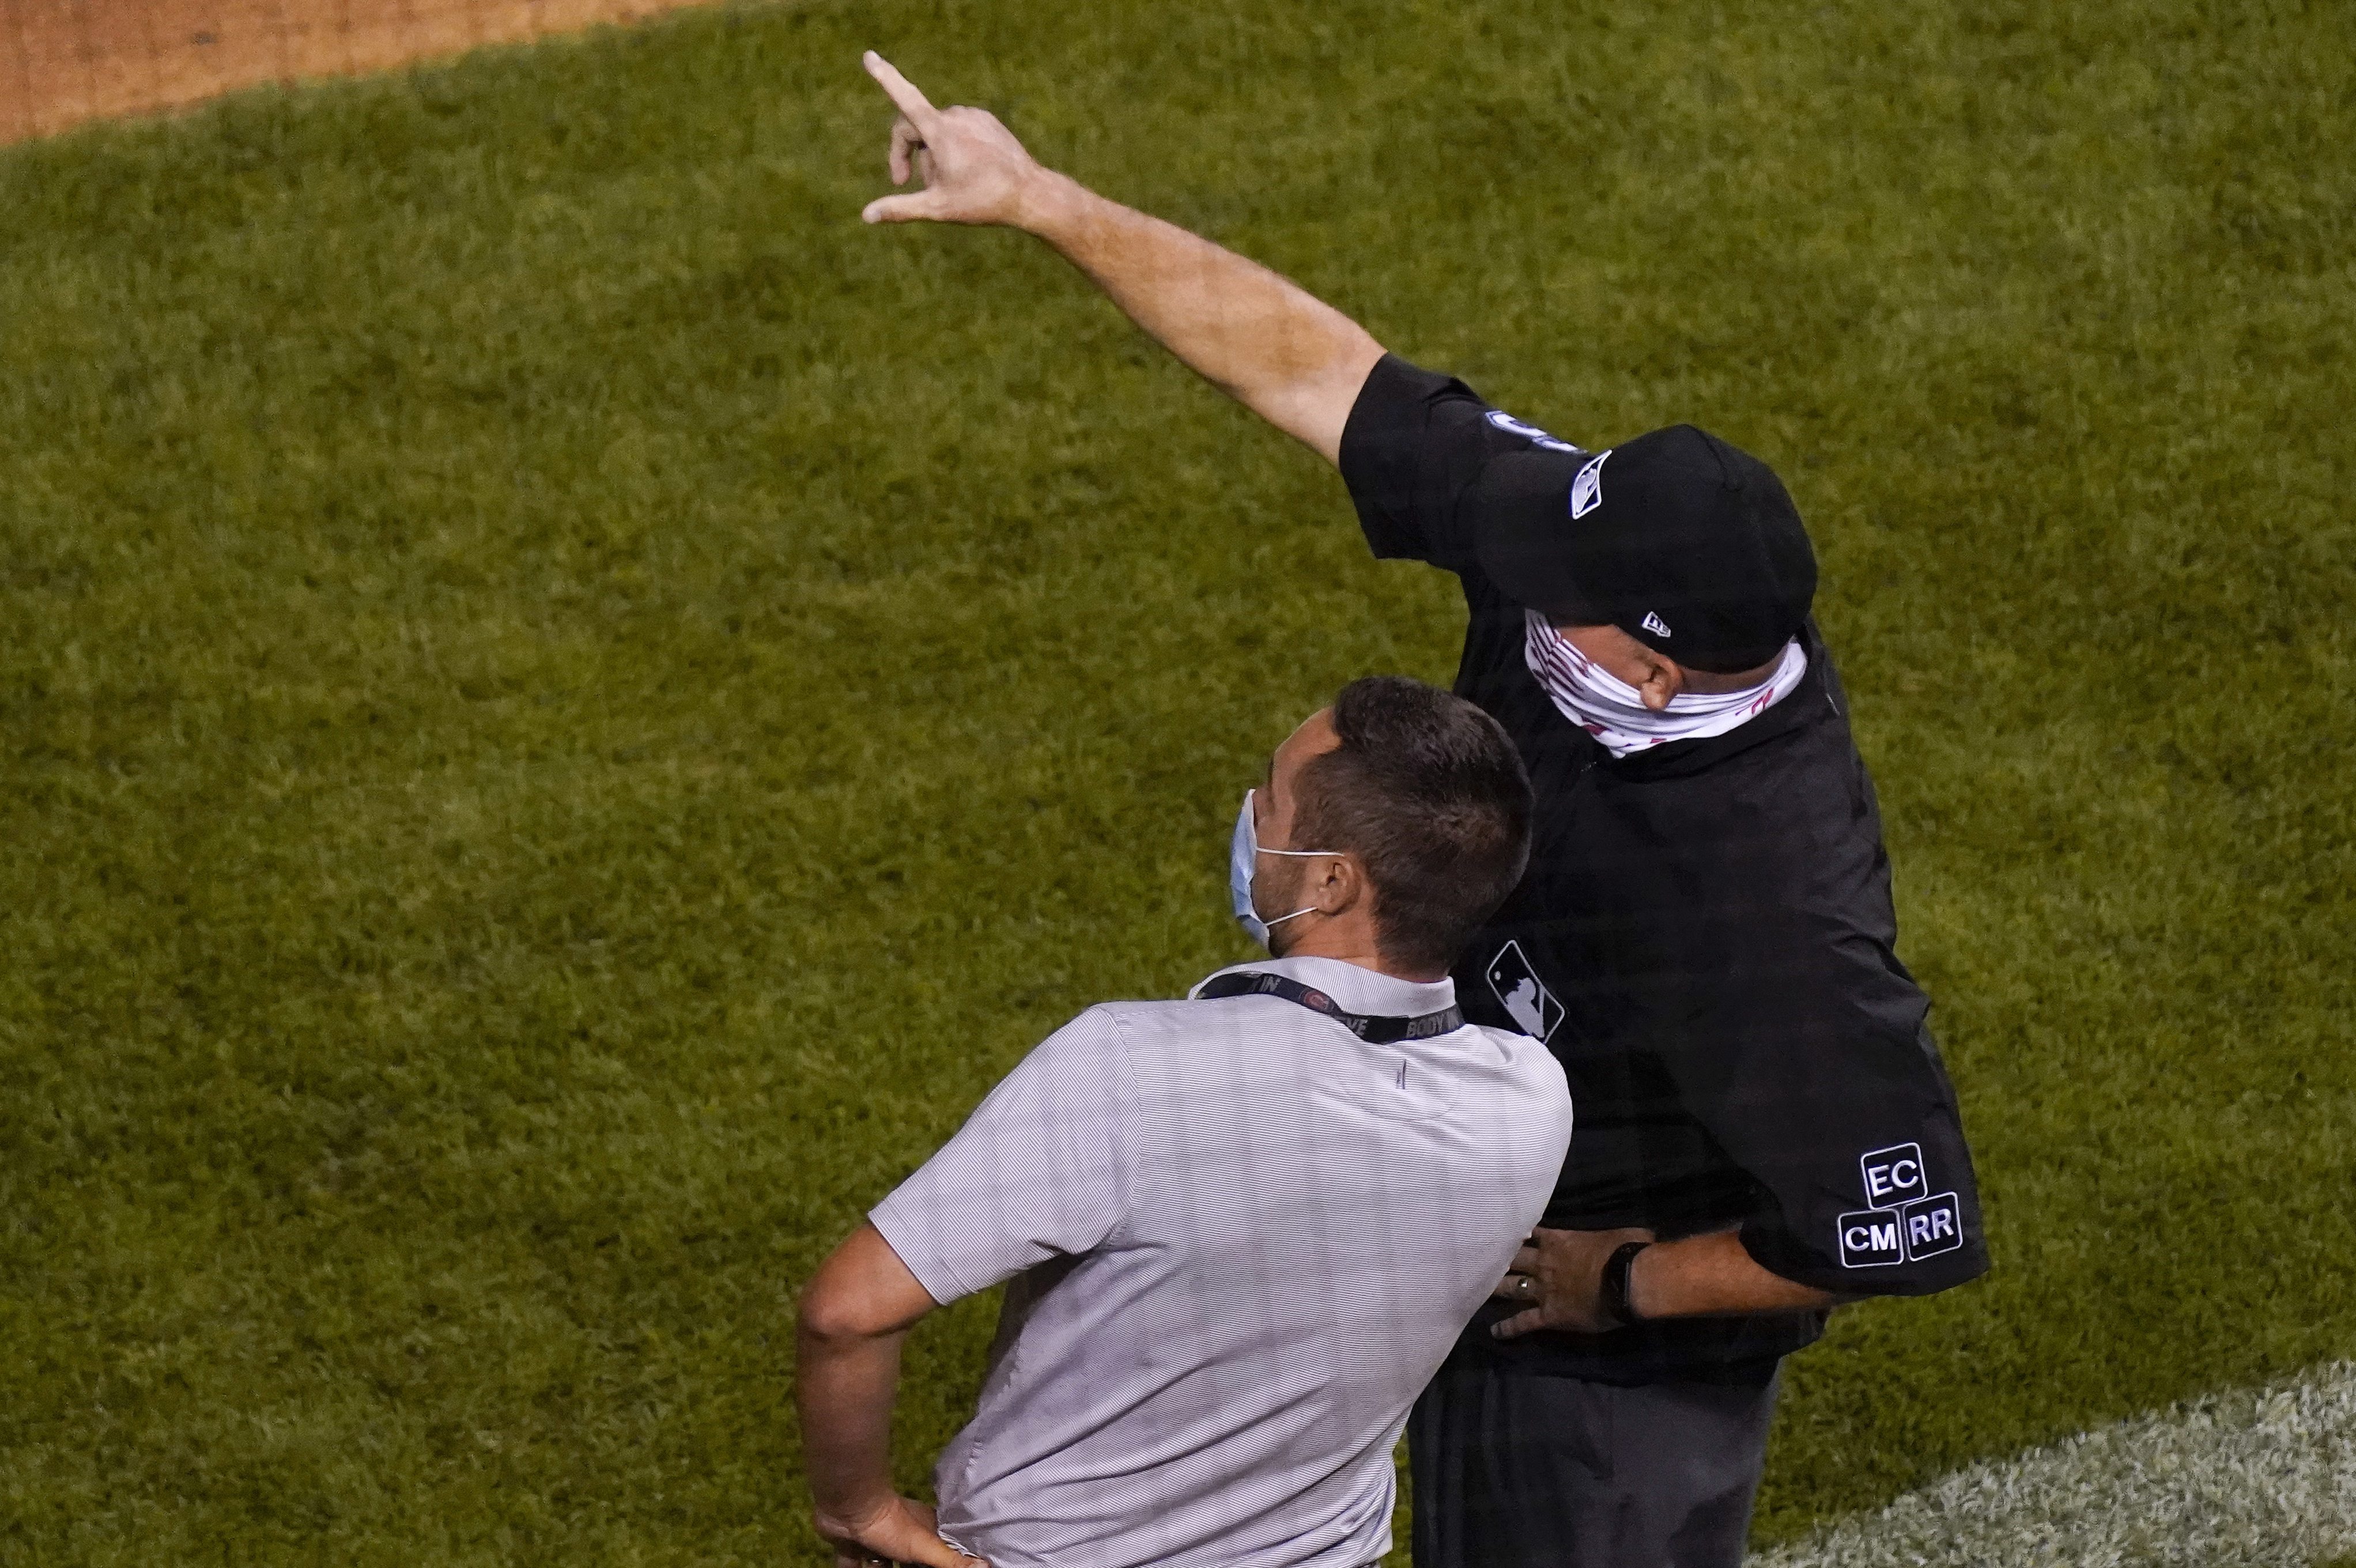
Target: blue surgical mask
pixel 1243 860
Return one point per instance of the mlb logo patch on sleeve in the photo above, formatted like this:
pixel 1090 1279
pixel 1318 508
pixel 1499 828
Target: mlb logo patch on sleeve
pixel 1871 1238
pixel 1528 432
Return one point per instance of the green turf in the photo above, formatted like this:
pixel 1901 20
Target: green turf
pixel 565 709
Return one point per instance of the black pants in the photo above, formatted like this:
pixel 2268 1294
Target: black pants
pixel 1522 1471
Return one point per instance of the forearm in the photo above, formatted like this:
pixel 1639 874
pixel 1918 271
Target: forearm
pixel 1711 1276
pixel 1283 353
pixel 844 1389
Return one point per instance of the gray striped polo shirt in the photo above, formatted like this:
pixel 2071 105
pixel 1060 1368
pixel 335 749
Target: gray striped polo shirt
pixel 1241 1240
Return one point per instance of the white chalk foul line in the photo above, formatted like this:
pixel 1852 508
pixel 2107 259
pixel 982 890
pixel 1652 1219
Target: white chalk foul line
pixel 2264 1478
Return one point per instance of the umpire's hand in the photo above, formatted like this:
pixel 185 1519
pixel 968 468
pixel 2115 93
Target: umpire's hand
pixel 973 169
pixel 1558 1276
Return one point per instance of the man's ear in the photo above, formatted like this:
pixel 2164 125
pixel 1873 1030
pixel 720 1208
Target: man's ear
pixel 1664 678
pixel 1341 886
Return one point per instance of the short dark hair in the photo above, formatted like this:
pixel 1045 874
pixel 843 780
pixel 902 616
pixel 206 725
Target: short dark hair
pixel 1429 794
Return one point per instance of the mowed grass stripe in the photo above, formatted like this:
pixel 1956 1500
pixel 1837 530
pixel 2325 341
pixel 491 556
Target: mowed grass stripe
pixel 2259 1478
pixel 568 709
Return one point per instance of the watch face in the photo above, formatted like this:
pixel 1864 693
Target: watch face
pixel 1616 1269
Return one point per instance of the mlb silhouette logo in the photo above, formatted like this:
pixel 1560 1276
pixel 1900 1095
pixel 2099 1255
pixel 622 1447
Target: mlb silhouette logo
pixel 1871 1238
pixel 1529 433
pixel 1894 1176
pixel 1586 487
pixel 1525 1000
pixel 1932 1225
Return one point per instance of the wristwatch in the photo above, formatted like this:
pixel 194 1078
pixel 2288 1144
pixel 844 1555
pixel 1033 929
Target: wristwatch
pixel 1615 1294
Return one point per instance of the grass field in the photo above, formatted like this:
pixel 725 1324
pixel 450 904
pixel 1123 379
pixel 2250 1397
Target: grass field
pixel 565 709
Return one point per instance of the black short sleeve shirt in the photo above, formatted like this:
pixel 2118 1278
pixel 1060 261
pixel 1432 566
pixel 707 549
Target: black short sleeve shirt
pixel 1706 939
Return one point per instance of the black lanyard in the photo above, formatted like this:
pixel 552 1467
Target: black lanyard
pixel 1373 1030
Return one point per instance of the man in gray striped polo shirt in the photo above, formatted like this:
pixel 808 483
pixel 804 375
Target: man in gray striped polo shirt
pixel 1242 1230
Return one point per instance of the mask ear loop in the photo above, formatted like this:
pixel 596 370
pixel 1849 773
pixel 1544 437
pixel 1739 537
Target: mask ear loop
pixel 1260 849
pixel 1303 854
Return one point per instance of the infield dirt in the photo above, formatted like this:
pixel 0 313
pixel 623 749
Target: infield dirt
pixel 72 60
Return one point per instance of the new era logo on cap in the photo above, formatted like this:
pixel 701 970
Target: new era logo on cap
pixel 1654 625
pixel 1587 490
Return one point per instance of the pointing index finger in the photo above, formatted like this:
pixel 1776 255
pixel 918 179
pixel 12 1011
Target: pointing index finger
pixel 913 103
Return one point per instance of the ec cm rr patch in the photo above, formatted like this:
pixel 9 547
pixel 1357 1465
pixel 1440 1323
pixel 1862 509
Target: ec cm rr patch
pixel 1907 1221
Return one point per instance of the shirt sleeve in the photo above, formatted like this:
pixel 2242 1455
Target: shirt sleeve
pixel 1847 1123
pixel 1414 445
pixel 1039 1170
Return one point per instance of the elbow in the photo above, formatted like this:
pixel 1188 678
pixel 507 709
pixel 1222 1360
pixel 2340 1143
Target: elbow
pixel 830 1315
pixel 838 1310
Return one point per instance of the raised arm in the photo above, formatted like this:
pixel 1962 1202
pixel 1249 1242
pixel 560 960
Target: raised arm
pixel 1287 355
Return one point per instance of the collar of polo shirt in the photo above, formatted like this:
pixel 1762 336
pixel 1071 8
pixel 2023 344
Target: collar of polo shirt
pixel 1353 987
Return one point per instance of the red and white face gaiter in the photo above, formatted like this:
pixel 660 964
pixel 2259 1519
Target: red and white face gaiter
pixel 1613 711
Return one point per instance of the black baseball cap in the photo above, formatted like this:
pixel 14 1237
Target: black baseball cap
pixel 1689 545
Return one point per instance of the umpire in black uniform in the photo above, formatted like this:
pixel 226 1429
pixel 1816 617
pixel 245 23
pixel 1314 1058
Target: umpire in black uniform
pixel 1705 936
